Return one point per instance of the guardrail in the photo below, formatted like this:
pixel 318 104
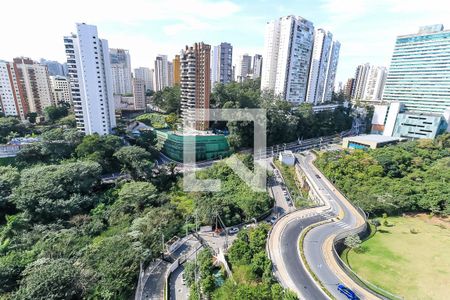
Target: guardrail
pixel 362 231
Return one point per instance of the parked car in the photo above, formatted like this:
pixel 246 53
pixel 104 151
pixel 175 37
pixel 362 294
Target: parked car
pixel 233 230
pixel 273 220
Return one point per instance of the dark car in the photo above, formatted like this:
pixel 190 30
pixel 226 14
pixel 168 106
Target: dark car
pixel 347 292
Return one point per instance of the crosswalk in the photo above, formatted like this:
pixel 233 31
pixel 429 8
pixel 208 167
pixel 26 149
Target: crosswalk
pixel 342 225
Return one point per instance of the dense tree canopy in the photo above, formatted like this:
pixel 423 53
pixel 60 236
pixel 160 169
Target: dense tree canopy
pixel 11 127
pixel 285 122
pixel 52 192
pixel 101 149
pixel 54 113
pixel 250 261
pixel 235 202
pixel 135 161
pixel 56 144
pixel 411 176
pixel 51 279
pixel 169 99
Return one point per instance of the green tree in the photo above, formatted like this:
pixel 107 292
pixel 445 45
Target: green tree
pixel 47 193
pixel 135 161
pixel 135 196
pixel 9 178
pixel 68 121
pixel 51 279
pixel 101 149
pixel 352 241
pixel 10 125
pixel 146 139
pixel 172 120
pixel 54 113
pixel 169 99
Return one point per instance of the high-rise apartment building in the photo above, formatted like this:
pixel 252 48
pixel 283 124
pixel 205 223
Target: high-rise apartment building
pixel 420 70
pixel 89 69
pixel 13 101
pixel 323 67
pixel 195 85
pixel 287 55
pixel 139 94
pixel 61 89
pixel 349 88
pixel 318 70
pixel 222 63
pixel 257 66
pixel 146 75
pixel 375 83
pixel 244 68
pixel 35 82
pixel 331 71
pixel 161 73
pixel 176 70
pixel 121 71
pixel 361 75
pixel 170 73
pixel 369 82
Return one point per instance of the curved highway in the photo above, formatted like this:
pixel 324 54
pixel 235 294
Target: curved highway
pixel 284 239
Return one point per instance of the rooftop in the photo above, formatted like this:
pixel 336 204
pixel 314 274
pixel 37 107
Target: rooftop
pixel 373 138
pixel 287 153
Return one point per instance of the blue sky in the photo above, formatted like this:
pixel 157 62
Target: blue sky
pixel 366 29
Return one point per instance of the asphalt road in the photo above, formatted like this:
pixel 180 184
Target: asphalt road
pixel 315 239
pixel 283 242
pixel 289 250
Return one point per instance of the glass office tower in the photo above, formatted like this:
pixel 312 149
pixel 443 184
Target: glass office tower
pixel 419 75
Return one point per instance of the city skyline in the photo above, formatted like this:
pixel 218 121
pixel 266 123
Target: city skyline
pixel 149 28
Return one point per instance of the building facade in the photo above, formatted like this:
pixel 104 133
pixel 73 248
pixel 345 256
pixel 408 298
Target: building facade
pixel 244 68
pixel 287 55
pixel 331 71
pixel 146 75
pixel 139 94
pixel 195 85
pixel 35 82
pixel 376 79
pixel 89 69
pixel 420 70
pixel 61 89
pixel 318 70
pixel 13 101
pixel 395 120
pixel 222 63
pixel 121 71
pixel 361 75
pixel 257 66
pixel 349 88
pixel 161 73
pixel 176 70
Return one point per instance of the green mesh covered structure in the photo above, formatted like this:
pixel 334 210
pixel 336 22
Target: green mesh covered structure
pixel 207 147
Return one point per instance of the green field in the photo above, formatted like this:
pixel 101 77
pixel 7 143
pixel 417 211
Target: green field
pixel 412 265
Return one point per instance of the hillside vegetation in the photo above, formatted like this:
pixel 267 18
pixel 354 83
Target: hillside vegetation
pixel 410 176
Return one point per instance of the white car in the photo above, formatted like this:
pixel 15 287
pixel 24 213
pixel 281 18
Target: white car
pixel 233 230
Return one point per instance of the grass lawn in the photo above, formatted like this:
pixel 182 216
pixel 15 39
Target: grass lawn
pixel 414 266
